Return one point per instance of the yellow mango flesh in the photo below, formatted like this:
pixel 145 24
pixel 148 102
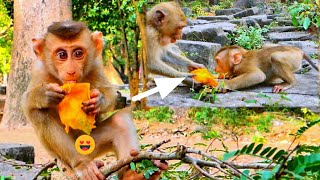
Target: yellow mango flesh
pixel 204 76
pixel 70 112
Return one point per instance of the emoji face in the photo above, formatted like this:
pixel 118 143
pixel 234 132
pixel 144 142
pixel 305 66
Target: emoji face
pixel 84 144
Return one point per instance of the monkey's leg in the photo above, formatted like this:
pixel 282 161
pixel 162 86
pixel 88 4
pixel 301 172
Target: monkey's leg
pixel 283 69
pixel 117 133
pixel 245 80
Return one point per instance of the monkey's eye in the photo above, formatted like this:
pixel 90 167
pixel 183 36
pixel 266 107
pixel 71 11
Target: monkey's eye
pixel 62 55
pixel 78 54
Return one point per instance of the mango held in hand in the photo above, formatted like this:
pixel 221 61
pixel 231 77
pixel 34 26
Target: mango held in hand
pixel 70 112
pixel 203 76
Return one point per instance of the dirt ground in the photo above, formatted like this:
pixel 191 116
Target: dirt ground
pixel 179 132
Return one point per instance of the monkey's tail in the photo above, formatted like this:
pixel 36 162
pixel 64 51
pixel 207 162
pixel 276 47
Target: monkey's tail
pixel 306 57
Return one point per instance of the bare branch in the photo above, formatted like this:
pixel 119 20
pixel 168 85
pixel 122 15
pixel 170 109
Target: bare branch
pixel 205 173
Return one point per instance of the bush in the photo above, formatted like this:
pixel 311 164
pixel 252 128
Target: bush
pixel 306 13
pixel 6 35
pixel 248 38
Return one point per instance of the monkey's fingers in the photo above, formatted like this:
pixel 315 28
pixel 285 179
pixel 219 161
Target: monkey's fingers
pixel 162 165
pixel 92 109
pixel 52 94
pixel 93 101
pixel 278 88
pixel 94 93
pixel 55 88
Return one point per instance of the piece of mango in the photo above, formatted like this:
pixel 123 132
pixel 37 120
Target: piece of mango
pixel 70 112
pixel 205 77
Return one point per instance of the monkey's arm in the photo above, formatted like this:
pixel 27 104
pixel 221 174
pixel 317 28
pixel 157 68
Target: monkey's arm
pixel 245 80
pixel 41 96
pixel 174 56
pixel 108 100
pixel 164 69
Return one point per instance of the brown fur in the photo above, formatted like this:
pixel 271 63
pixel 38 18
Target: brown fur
pixel 39 102
pixel 269 64
pixel 164 26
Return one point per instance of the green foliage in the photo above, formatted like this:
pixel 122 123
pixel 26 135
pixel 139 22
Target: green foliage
pixel 116 20
pixel 160 114
pixel 6 35
pixel 223 5
pixel 305 13
pixel 305 164
pixel 278 7
pixel 197 8
pixel 248 38
pixel 268 153
pixel 6 177
pixel 206 94
pixel 47 173
pixel 303 129
pixel 237 121
pixel 145 166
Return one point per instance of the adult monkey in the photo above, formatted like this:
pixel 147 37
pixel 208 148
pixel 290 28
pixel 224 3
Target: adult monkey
pixel 272 64
pixel 69 53
pixel 164 27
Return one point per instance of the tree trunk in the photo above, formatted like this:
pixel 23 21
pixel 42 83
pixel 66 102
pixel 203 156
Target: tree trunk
pixel 141 19
pixel 31 19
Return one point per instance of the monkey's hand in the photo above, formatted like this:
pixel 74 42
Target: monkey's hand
pixel 92 106
pixel 90 170
pixel 53 94
pixel 194 66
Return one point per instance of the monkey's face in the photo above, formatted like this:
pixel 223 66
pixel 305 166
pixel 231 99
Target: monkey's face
pixel 69 58
pixel 223 65
pixel 65 58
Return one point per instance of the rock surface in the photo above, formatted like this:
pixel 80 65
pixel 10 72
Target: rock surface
pixel 20 152
pixel 308 47
pixel 230 11
pixel 304 94
pixel 246 12
pixel 200 52
pixel 289 36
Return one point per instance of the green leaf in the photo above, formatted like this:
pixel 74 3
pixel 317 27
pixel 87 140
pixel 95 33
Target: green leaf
pixel 295 21
pixel 271 152
pixel 257 149
pixel 250 147
pixel 133 166
pixel 279 154
pixel 248 101
pixel 244 175
pixel 306 23
pixel 265 151
pixel 229 155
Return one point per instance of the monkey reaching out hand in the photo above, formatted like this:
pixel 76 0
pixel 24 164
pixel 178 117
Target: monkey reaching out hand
pixel 164 27
pixel 270 64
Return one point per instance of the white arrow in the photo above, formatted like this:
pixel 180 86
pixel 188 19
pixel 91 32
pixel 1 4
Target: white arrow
pixel 164 87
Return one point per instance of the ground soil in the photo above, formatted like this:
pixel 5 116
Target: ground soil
pixel 179 132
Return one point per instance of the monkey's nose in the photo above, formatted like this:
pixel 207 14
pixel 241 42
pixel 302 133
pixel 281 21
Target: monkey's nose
pixel 71 73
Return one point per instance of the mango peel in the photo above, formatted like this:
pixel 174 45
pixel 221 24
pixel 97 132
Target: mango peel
pixel 70 111
pixel 203 76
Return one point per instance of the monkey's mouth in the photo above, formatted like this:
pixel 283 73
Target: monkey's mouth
pixel 85 147
pixel 71 81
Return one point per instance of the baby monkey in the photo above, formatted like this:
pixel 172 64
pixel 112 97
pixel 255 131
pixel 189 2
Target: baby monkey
pixel 274 64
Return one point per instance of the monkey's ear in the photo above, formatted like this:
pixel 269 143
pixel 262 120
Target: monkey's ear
pixel 237 57
pixel 38 47
pixel 97 38
pixel 158 17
